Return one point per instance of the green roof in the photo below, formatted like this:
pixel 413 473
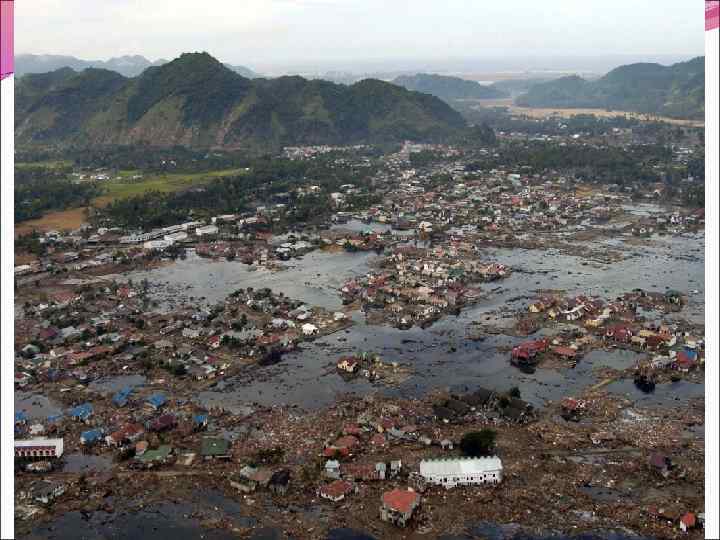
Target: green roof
pixel 159 454
pixel 214 446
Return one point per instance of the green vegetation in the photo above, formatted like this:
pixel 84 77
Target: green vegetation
pixel 676 91
pixel 195 101
pixel 126 187
pixel 601 164
pixel 268 179
pixel 478 443
pixel 448 89
pixel 39 189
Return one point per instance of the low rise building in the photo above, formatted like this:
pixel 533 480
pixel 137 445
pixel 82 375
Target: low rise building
pixel 39 448
pixel 462 471
pixel 398 506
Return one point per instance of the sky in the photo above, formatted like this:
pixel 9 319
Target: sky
pixel 337 34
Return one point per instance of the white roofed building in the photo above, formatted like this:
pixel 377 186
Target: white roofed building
pixel 208 229
pixel 39 448
pixel 462 471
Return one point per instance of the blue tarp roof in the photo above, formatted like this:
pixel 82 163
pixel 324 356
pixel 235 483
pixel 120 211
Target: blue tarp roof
pixel 201 418
pixel 81 411
pixel 91 435
pixel 54 417
pixel 156 400
pixel 20 417
pixel 121 398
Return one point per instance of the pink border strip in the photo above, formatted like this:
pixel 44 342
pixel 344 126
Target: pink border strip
pixel 712 14
pixel 6 38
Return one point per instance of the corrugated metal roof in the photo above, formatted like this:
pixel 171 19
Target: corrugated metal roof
pixel 459 466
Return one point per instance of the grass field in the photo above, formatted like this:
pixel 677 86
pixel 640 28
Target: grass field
pixel 125 186
pixel 122 187
pixel 537 112
pixel 601 113
pixel 50 164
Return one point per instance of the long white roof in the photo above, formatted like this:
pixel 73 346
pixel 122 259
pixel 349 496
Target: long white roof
pixel 459 466
pixel 23 443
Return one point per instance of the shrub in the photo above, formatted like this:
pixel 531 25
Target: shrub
pixel 478 443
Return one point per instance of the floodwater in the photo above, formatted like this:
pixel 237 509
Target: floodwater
pixel 167 520
pixel 111 385
pixel 35 406
pixel 314 278
pixel 86 463
pixel 441 356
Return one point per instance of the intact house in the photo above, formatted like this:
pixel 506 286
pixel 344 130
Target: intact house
pixel 398 506
pixel 39 448
pixel 462 471
pixel 336 491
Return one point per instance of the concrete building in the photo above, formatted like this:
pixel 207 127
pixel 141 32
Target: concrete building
pixel 398 506
pixel 462 471
pixel 39 448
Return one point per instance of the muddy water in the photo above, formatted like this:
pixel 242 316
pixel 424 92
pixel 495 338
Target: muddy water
pixel 314 278
pixel 110 385
pixel 86 463
pixel 160 521
pixel 36 407
pixel 442 356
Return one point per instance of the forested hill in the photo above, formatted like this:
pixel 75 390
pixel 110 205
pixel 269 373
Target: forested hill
pixel 676 91
pixel 129 66
pixel 448 88
pixel 196 101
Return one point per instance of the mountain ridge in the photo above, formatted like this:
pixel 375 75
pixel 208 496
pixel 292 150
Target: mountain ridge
pixel 196 101
pixel 447 88
pixel 676 91
pixel 127 65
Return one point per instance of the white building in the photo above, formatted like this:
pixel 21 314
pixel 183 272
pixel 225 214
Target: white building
pixel 157 244
pixel 462 471
pixel 39 448
pixel 208 229
pixel 176 236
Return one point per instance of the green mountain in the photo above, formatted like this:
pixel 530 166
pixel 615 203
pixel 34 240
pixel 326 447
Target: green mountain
pixel 676 91
pixel 196 101
pixel 129 66
pixel 448 88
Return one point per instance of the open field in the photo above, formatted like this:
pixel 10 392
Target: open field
pixel 536 112
pixel 602 113
pixel 126 187
pixel 65 219
pixel 121 188
pixel 50 163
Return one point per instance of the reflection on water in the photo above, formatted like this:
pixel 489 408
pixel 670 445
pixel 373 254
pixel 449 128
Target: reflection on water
pixel 314 278
pixel 84 463
pixel 440 356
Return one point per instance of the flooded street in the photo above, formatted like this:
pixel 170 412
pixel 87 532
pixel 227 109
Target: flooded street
pixel 440 356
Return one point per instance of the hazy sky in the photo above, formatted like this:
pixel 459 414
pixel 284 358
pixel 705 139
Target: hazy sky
pixel 267 33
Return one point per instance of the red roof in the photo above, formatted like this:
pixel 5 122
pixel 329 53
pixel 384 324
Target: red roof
pixel 352 429
pixel 401 500
pixel 348 441
pixel 565 351
pixel 688 519
pixel 378 439
pixel 338 488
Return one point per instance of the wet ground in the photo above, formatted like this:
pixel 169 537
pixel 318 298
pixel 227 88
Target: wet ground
pixel 441 356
